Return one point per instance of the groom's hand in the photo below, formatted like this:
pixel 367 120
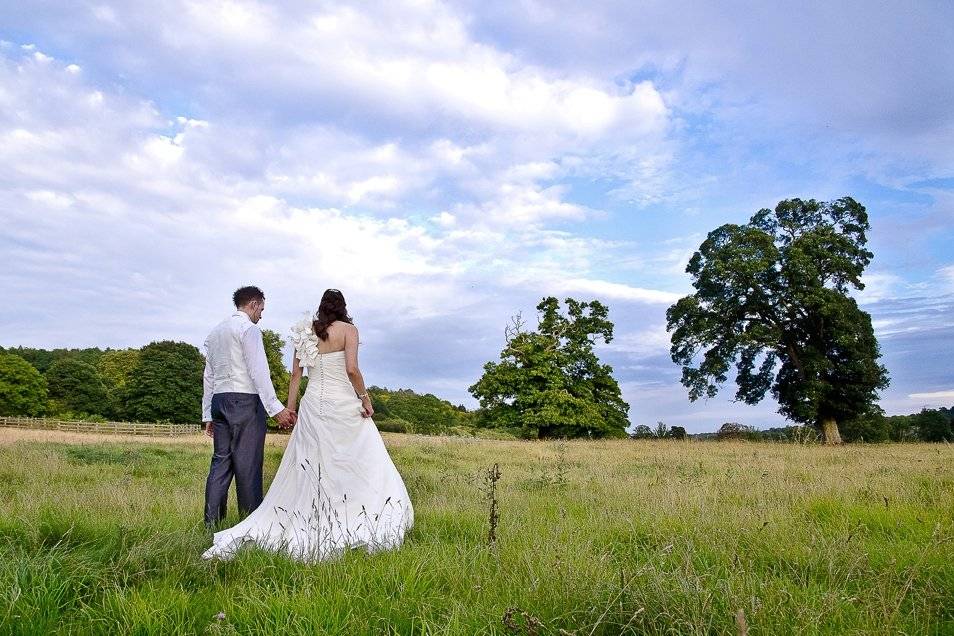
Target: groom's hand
pixel 208 429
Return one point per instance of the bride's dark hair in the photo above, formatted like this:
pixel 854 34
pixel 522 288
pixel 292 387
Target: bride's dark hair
pixel 331 308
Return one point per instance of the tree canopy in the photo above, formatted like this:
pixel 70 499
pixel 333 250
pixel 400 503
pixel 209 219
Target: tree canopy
pixel 550 382
pixel 274 355
pixel 426 414
pixel 76 386
pixel 934 425
pixel 167 383
pixel 772 298
pixel 42 359
pixel 22 388
pixel 116 367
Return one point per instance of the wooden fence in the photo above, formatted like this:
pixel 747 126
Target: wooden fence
pixel 108 428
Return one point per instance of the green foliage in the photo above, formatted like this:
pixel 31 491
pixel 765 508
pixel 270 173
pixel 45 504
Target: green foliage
pixel 772 298
pixel 798 433
pixel 549 382
pixel 641 431
pixel 660 431
pixel 415 413
pixel 734 430
pixel 901 428
pixel 678 432
pixel 43 359
pixel 281 376
pixel 167 383
pixel 934 425
pixel 868 427
pixel 23 390
pixel 76 386
pixel 392 425
pixel 116 367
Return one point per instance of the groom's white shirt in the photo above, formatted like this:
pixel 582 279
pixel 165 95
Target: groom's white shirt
pixel 235 363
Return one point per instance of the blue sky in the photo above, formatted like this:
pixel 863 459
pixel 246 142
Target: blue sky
pixel 448 164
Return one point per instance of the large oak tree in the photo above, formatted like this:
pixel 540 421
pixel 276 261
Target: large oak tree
pixel 772 298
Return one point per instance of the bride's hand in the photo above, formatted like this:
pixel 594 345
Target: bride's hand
pixel 366 409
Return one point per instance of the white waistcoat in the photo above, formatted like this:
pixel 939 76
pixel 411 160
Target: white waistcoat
pixel 224 351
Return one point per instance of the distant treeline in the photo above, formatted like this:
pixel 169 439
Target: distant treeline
pixel 162 382
pixel 930 425
pixel 404 411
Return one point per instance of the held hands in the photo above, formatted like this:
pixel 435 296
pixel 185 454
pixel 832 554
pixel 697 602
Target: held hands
pixel 286 418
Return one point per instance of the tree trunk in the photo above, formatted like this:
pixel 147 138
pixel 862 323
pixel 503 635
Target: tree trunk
pixel 830 431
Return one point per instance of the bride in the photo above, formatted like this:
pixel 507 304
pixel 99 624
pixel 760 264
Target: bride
pixel 336 486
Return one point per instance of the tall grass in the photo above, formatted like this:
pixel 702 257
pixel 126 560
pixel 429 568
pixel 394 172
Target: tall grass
pixel 592 538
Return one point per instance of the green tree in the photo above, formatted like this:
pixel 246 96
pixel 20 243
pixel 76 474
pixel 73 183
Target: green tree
pixel 274 354
pixel 167 383
pixel 116 367
pixel 641 431
pixel 76 386
pixel 42 359
pixel 772 297
pixel 417 413
pixel 867 427
pixel 22 388
pixel 934 426
pixel 734 430
pixel 678 432
pixel 901 428
pixel 549 382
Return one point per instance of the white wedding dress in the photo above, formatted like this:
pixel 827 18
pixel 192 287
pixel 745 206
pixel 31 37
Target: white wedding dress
pixel 336 486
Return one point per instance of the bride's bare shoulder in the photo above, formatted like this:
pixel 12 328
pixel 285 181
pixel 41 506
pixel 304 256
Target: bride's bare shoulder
pixel 343 327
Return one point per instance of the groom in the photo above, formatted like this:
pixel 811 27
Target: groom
pixel 237 392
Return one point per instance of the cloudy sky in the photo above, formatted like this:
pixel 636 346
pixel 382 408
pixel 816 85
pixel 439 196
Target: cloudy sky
pixel 448 164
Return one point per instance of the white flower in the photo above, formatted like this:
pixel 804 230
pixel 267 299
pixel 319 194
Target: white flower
pixel 305 342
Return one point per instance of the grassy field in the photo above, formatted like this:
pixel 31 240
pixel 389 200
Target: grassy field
pixel 102 535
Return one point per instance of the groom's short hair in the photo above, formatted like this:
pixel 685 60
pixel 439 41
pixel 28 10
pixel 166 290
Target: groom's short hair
pixel 245 295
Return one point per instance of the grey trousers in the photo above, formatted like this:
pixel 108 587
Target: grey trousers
pixel 238 448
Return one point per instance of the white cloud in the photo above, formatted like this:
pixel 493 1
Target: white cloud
pixel 645 343
pixel 878 286
pixel 946 274
pixel 411 73
pixel 147 212
pixel 618 291
pixel 943 396
pixel 445 219
pixel 49 198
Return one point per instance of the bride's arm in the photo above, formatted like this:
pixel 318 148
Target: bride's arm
pixel 293 384
pixel 354 373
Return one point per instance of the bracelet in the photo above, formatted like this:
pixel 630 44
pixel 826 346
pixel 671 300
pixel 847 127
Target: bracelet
pixel 363 395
